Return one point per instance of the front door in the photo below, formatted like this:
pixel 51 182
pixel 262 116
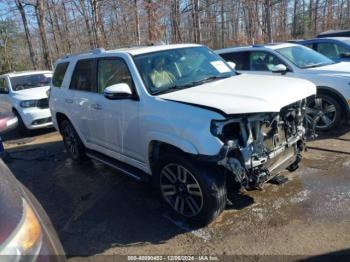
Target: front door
pixel 116 121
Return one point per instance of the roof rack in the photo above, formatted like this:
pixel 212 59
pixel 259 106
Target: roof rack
pixel 93 51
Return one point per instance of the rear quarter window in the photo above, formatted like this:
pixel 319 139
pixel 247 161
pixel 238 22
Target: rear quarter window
pixel 59 73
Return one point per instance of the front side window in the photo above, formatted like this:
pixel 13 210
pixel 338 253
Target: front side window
pixel 59 73
pixel 171 70
pixel 84 76
pixel 263 61
pixel 112 71
pixel 304 57
pixel 30 81
pixel 342 50
pixel 328 49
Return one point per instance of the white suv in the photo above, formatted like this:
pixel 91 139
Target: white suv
pixel 26 94
pixel 181 115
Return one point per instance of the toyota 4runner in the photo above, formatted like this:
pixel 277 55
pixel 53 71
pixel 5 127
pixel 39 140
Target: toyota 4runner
pixel 179 114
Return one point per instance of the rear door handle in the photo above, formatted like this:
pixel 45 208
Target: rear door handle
pixel 96 106
pixel 69 100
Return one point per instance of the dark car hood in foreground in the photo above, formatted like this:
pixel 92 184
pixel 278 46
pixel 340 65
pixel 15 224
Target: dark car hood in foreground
pixel 10 203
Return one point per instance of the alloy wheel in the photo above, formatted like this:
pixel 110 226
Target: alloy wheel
pixel 321 112
pixel 181 190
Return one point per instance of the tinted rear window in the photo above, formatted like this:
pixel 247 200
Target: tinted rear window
pixel 30 81
pixel 241 59
pixel 59 73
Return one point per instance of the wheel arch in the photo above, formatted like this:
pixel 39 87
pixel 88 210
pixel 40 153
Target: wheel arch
pixel 336 95
pixel 60 117
pixel 157 148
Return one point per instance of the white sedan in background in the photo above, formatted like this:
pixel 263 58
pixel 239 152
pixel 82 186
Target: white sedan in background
pixel 26 94
pixel 332 79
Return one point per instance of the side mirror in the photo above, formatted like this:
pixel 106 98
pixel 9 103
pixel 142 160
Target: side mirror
pixel 344 55
pixel 232 65
pixel 118 91
pixel 280 68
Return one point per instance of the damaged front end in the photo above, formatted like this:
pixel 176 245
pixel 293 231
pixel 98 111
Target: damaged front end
pixel 258 146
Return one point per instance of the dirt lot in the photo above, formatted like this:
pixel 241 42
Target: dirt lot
pixel 98 211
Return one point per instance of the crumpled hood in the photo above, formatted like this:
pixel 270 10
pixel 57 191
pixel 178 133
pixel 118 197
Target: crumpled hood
pixel 32 93
pixel 339 69
pixel 246 94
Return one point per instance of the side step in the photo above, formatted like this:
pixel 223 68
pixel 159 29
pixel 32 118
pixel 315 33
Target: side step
pixel 124 168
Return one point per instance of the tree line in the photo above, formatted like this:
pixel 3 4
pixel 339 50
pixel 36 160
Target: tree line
pixel 34 33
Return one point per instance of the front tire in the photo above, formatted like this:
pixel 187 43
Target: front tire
pixel 195 192
pixel 325 112
pixel 72 142
pixel 21 127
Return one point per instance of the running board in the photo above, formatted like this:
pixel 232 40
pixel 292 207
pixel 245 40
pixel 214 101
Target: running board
pixel 124 168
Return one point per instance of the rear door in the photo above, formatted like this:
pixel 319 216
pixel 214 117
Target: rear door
pixel 80 97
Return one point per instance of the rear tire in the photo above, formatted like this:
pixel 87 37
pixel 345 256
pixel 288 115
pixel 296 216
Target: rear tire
pixel 195 192
pixel 72 141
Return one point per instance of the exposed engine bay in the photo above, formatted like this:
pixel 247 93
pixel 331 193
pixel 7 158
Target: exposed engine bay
pixel 258 146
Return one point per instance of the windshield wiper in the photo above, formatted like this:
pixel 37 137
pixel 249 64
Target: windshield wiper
pixel 171 89
pixel 318 65
pixel 188 85
pixel 207 79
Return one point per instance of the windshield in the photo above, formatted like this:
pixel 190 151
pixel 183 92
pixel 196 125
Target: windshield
pixel 171 70
pixel 30 81
pixel 304 57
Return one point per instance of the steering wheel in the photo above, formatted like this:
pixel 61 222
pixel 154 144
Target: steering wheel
pixel 20 87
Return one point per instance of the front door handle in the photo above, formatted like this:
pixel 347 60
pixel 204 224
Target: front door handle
pixel 69 100
pixel 96 106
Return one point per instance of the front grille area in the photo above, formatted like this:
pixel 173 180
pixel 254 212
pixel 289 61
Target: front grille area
pixel 42 121
pixel 43 103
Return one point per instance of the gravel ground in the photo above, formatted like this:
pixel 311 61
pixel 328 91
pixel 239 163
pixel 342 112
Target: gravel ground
pixel 97 211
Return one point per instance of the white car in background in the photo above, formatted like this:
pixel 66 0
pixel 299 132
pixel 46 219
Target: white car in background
pixel 332 79
pixel 26 93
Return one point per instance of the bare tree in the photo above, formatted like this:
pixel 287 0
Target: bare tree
pixel 20 7
pixel 40 15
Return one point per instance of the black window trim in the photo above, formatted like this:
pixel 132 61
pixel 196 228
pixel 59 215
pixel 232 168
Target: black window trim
pixel 135 95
